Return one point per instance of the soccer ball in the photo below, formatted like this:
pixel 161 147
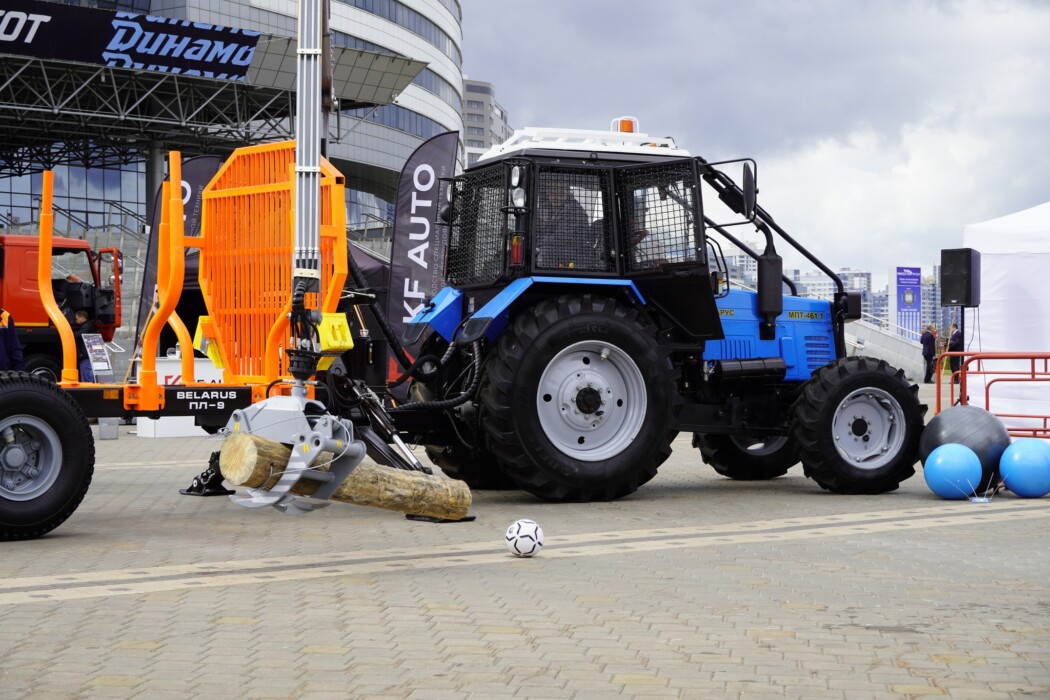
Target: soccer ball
pixel 524 538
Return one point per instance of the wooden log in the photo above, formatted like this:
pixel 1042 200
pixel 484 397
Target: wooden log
pixel 249 460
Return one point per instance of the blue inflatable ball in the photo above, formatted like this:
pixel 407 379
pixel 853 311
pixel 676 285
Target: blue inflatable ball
pixel 952 471
pixel 1025 467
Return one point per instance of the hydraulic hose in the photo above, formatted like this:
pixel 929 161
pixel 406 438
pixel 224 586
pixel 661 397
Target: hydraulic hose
pixel 465 395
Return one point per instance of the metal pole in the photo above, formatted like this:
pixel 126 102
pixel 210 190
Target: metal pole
pixel 308 143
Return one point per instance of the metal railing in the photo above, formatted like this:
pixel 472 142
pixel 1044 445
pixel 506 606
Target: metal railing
pixel 998 370
pixel 359 233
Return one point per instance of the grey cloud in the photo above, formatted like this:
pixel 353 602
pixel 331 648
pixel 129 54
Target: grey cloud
pixel 789 81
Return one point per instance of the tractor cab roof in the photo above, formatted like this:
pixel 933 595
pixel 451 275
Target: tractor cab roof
pixel 622 142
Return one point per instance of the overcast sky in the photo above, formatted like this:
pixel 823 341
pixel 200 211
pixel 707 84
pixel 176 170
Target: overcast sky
pixel 881 128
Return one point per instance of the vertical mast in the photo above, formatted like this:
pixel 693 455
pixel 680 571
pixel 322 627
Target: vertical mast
pixel 306 261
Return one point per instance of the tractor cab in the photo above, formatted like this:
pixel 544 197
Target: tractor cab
pixel 596 206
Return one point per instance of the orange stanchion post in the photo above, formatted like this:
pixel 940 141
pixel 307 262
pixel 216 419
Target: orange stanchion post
pixel 70 373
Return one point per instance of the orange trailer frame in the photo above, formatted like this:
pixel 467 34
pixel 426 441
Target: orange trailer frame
pixel 245 274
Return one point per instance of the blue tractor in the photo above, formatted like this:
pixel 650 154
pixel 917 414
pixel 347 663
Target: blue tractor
pixel 588 319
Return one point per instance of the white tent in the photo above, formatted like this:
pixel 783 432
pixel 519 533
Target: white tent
pixel 1014 315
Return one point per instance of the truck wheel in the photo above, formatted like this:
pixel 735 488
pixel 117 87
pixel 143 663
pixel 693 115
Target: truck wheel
pixel 857 423
pixel 43 366
pixel 747 458
pixel 47 456
pixel 579 400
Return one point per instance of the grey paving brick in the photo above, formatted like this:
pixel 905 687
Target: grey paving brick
pixel 820 615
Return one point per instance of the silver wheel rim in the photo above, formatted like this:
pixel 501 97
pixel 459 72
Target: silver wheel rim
pixel 45 373
pixel 591 401
pixel 30 458
pixel 759 446
pixel 868 428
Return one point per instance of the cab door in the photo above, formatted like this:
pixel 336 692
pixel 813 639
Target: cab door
pixel 662 246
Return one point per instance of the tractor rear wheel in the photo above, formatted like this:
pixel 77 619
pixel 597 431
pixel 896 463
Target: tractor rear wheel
pixel 47 456
pixel 747 458
pixel 857 423
pixel 579 399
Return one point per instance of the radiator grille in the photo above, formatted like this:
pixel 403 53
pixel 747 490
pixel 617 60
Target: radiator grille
pixel 819 351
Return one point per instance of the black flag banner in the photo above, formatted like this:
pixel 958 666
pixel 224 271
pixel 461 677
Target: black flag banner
pixel 417 254
pixel 196 174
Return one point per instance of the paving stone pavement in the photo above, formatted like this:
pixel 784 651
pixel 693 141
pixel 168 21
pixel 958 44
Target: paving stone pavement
pixel 694 587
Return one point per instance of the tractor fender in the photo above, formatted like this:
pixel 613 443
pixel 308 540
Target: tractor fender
pixel 442 315
pixel 490 320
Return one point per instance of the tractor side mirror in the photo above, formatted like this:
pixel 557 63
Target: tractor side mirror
pixel 750 192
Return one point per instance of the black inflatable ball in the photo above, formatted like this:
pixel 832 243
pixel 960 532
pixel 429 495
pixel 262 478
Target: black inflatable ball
pixel 973 427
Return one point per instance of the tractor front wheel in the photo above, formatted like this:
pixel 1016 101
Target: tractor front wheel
pixel 857 423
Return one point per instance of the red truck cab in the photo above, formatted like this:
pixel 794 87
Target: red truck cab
pixel 77 281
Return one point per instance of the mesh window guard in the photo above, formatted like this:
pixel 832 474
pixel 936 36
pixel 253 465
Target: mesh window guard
pixel 571 227
pixel 658 213
pixel 477 232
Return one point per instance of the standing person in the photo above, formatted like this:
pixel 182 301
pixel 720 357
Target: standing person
pixel 955 344
pixel 85 324
pixel 929 351
pixel 10 348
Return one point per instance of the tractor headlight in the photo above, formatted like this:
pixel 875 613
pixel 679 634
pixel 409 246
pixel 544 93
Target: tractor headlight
pixel 517 197
pixel 515 176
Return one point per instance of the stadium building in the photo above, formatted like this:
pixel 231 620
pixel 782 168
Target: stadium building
pixel 99 91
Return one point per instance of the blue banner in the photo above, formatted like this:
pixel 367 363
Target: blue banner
pixel 909 301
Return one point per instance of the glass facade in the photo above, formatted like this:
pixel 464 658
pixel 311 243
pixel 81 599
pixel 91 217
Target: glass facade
pixel 84 198
pixel 370 206
pixel 453 7
pixel 399 118
pixel 413 21
pixel 140 6
pixel 368 214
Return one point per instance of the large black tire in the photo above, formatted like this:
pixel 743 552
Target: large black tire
pixel 747 458
pixel 43 366
pixel 580 399
pixel 47 468
pixel 481 471
pixel 857 423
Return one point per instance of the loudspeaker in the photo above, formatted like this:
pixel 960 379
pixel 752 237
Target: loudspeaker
pixel 960 277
